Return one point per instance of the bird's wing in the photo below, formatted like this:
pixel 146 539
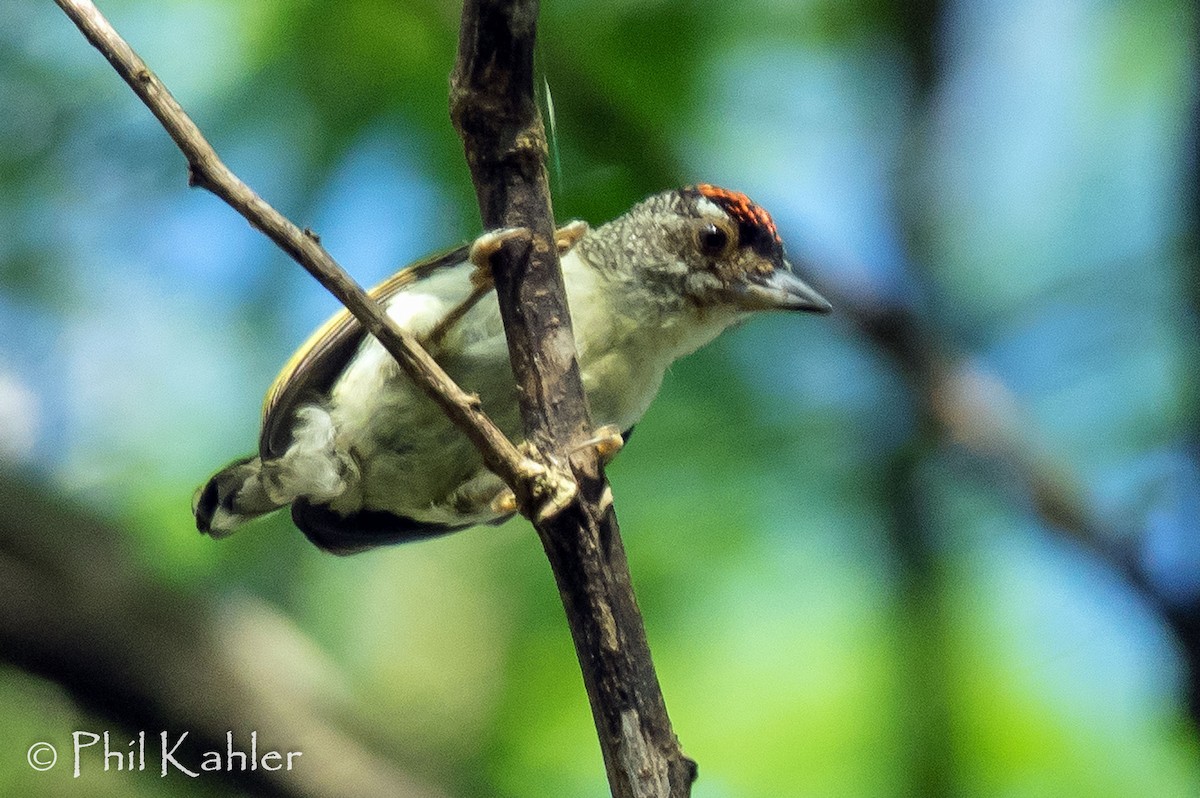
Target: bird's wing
pixel 316 365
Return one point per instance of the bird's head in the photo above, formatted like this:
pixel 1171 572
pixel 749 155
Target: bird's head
pixel 703 248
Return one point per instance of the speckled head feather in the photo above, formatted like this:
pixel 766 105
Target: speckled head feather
pixel 756 228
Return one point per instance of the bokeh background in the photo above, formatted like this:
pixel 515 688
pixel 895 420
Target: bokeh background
pixel 942 543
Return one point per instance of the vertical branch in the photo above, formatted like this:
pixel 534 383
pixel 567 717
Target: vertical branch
pixel 493 108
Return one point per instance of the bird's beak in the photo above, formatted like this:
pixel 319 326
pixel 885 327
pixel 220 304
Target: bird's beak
pixel 779 290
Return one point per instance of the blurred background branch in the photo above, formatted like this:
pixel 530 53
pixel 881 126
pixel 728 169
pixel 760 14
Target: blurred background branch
pixel 76 608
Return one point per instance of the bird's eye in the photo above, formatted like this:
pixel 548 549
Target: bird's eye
pixel 712 240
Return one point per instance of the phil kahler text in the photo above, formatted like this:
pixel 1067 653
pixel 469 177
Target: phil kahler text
pixel 169 755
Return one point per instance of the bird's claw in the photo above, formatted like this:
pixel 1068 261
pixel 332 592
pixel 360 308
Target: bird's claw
pixel 551 487
pixel 569 235
pixel 484 248
pixel 504 502
pixel 607 441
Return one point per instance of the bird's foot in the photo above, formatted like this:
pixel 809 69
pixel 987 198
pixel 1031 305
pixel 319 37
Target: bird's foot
pixel 551 486
pixel 606 440
pixel 569 235
pixel 484 248
pixel 504 502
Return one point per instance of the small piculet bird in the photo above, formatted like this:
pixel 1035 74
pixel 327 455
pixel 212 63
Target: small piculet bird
pixel 364 458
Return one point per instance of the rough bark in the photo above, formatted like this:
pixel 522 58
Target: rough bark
pixel 493 107
pixel 205 169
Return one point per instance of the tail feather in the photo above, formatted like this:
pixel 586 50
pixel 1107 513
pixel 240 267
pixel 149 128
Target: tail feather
pixel 233 496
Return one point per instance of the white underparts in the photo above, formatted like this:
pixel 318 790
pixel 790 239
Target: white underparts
pixel 311 467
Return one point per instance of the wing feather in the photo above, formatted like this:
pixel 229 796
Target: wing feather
pixel 316 365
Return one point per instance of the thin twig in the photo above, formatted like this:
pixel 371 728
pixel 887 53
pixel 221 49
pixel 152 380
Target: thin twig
pixel 492 105
pixel 205 169
pixel 582 542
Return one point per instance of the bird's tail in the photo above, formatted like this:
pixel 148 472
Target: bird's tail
pixel 233 496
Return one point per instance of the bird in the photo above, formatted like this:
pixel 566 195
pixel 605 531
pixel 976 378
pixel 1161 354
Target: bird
pixel 364 458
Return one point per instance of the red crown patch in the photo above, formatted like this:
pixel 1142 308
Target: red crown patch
pixel 741 209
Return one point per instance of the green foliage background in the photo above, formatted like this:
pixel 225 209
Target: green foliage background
pixel 841 600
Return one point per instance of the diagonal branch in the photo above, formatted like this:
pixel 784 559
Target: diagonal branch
pixel 493 108
pixel 205 169
pixel 582 542
pixel 175 659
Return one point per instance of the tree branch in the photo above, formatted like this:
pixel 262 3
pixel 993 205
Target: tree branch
pixel 205 169
pixel 582 542
pixel 967 405
pixel 493 108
